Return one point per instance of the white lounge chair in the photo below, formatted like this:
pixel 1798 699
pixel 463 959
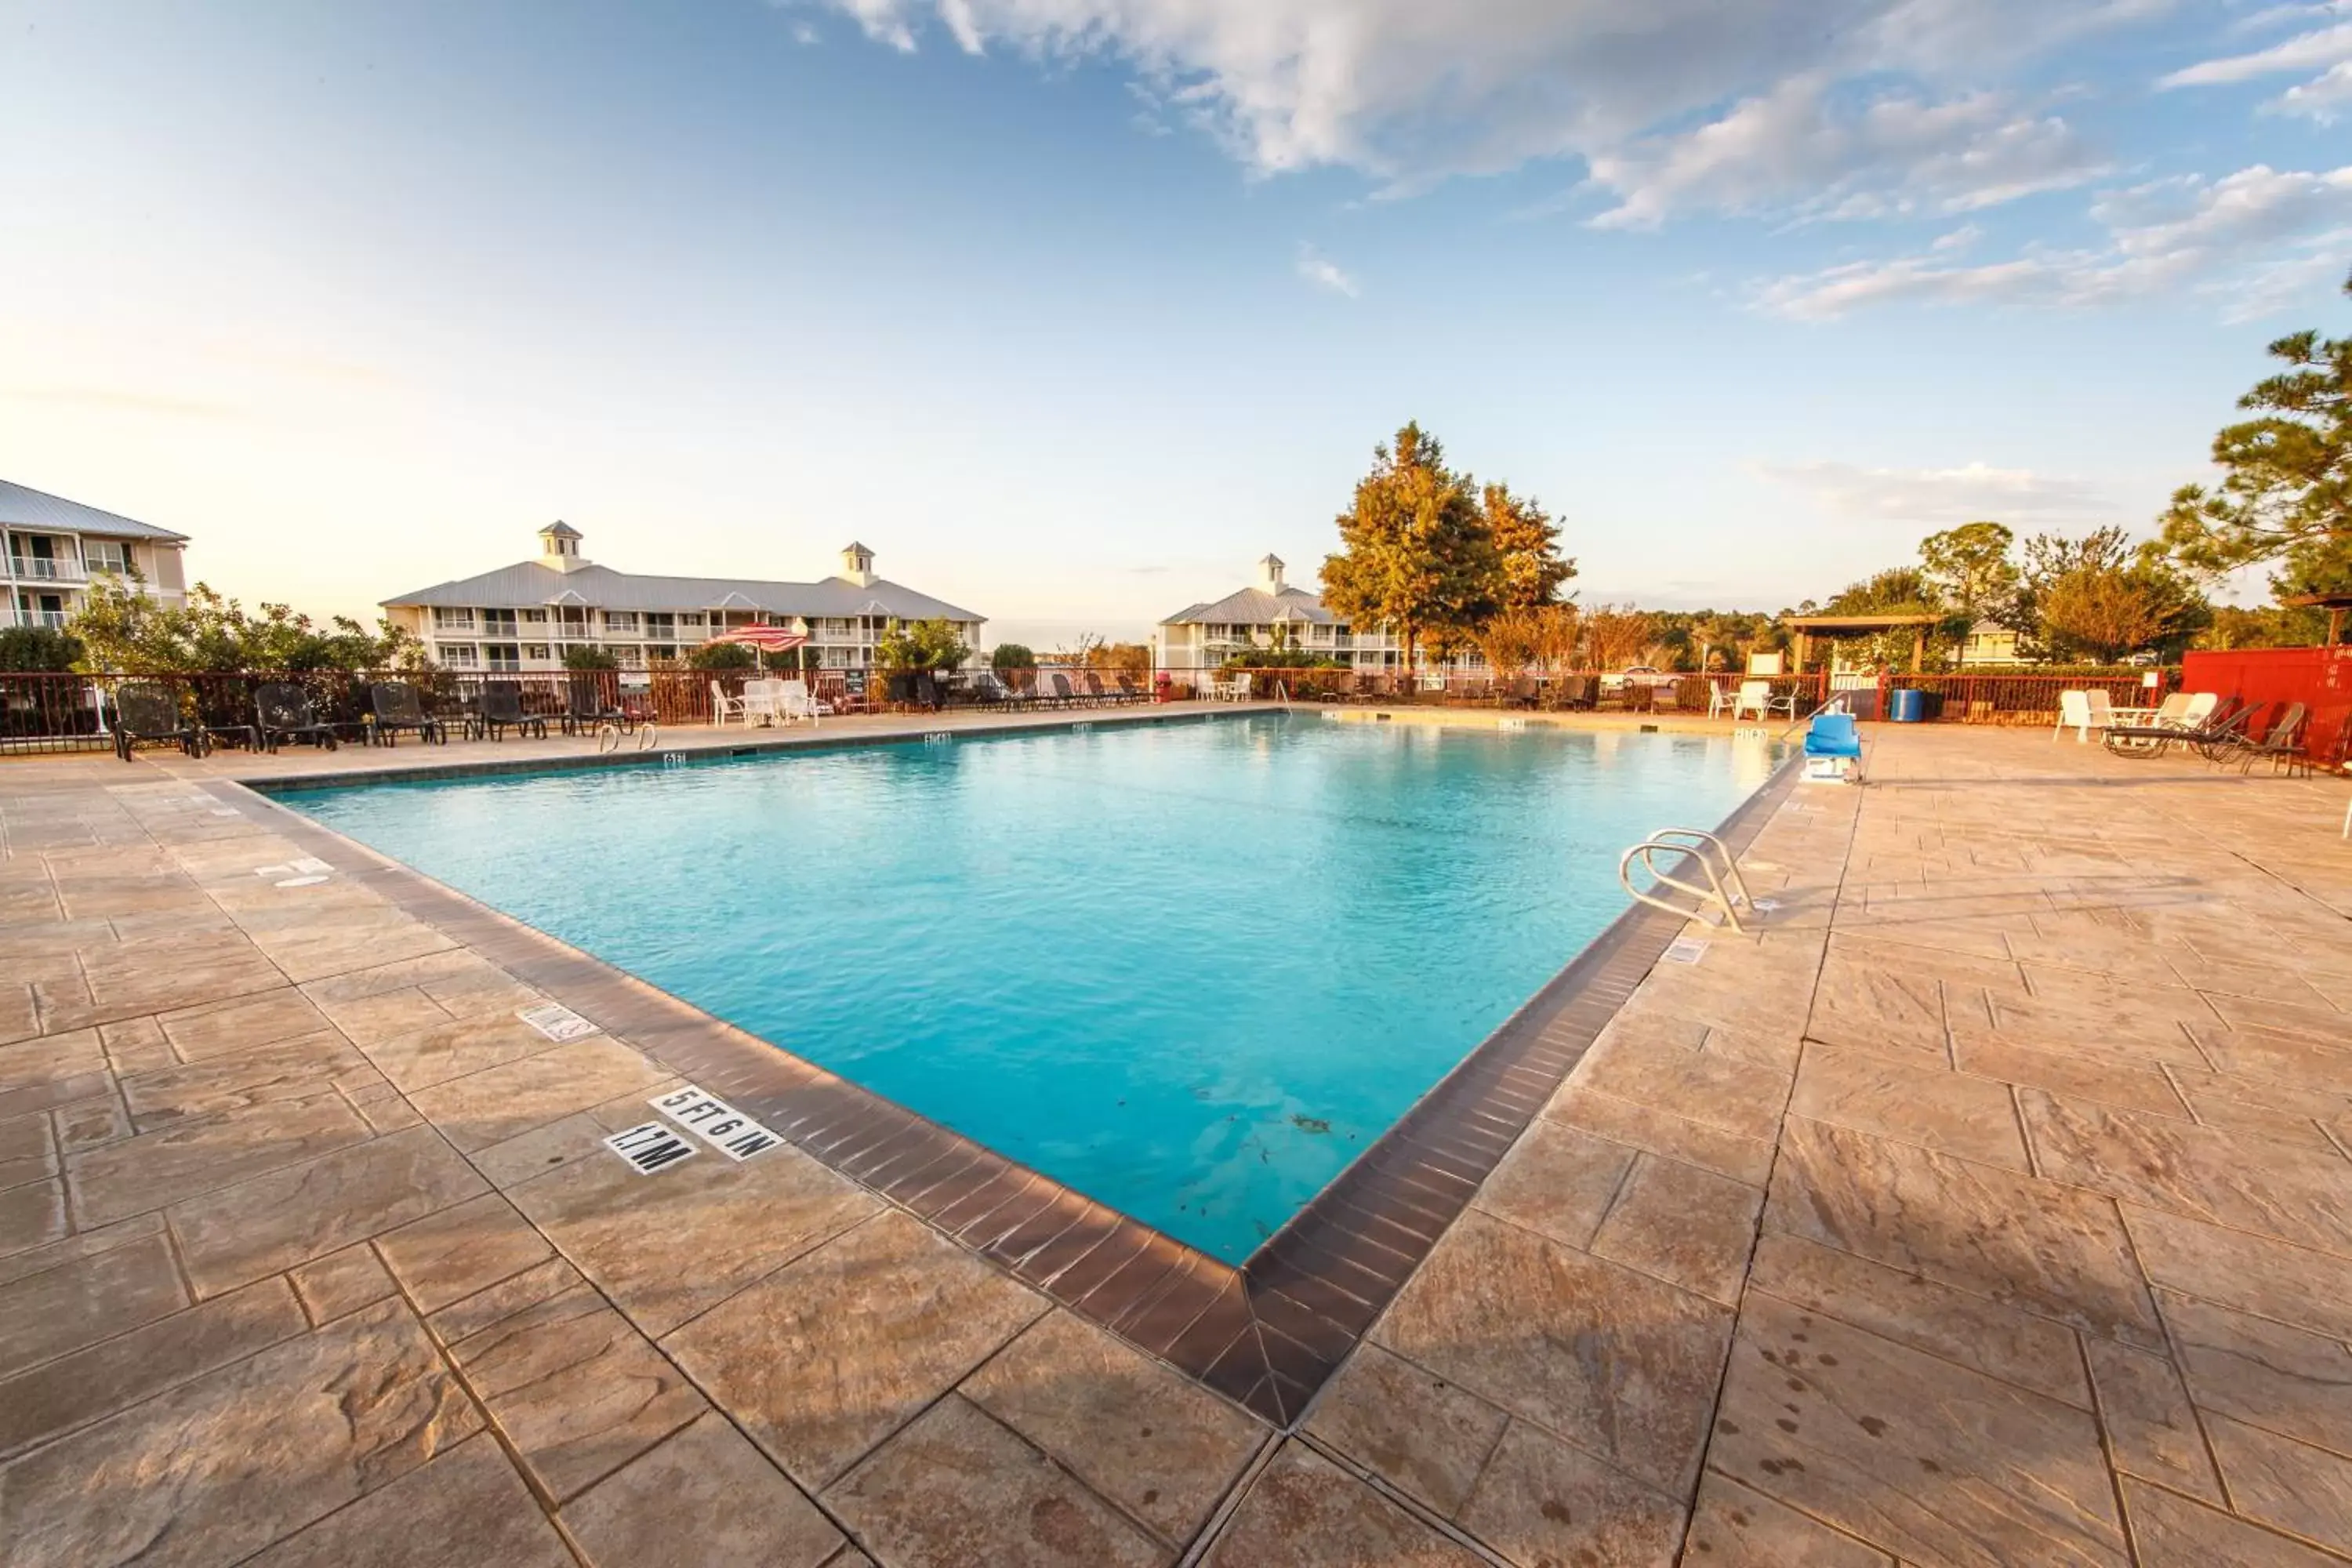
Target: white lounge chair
pixel 2083 711
pixel 721 705
pixel 795 702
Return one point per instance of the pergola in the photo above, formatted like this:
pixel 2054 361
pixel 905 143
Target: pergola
pixel 1834 628
pixel 2333 603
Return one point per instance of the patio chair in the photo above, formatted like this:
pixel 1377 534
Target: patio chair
pixel 2282 746
pixel 795 702
pixel 763 701
pixel 2083 711
pixel 2179 720
pixel 501 709
pixel 282 711
pixel 721 705
pixel 2225 731
pixel 1756 697
pixel 584 708
pixel 1237 686
pixel 148 711
pixel 396 708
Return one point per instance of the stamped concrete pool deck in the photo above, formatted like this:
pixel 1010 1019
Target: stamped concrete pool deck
pixel 1990 1205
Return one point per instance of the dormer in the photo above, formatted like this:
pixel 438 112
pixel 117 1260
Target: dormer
pixel 1269 574
pixel 857 566
pixel 559 546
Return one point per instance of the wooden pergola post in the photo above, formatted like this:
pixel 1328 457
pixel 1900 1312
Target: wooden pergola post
pixel 1918 651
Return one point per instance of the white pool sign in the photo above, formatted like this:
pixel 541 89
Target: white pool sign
pixel 649 1147
pixel 715 1121
pixel 556 1021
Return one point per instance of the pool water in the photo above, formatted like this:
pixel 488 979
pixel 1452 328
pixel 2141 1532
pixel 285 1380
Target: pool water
pixel 1189 969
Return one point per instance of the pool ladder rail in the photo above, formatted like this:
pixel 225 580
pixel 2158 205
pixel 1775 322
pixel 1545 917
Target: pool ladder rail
pixel 1726 890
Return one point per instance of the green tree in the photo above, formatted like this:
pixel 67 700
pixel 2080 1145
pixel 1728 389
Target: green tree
pixel 1971 571
pixel 920 644
pixel 1012 656
pixel 2286 490
pixel 588 656
pixel 1416 554
pixel 122 627
pixel 1527 542
pixel 38 648
pixel 721 656
pixel 2099 597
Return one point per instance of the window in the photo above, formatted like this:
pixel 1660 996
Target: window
pixel 502 654
pixel 691 619
pixel 620 620
pixel 499 623
pixel 631 656
pixel 534 618
pixel 459 656
pixel 661 651
pixel 453 620
pixel 539 652
pixel 106 555
pixel 661 624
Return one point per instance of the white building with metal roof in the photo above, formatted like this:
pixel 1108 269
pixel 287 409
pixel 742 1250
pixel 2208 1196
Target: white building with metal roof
pixel 56 547
pixel 524 617
pixel 1268 613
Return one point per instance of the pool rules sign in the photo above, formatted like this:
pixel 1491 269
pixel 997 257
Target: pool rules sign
pixel 653 1146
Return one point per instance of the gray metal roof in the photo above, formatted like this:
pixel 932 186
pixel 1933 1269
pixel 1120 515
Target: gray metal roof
pixel 529 584
pixel 24 506
pixel 1256 607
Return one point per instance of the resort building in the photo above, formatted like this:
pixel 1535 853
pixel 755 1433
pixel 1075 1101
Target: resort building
pixel 1267 614
pixel 524 617
pixel 1989 642
pixel 56 547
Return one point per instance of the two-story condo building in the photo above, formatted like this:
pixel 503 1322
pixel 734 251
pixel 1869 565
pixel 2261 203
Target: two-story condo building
pixel 55 547
pixel 524 617
pixel 1268 613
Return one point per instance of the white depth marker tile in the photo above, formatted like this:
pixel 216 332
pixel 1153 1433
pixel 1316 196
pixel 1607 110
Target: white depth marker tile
pixel 650 1147
pixel 715 1121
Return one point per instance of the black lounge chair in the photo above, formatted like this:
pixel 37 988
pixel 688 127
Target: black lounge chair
pixel 2282 746
pixel 985 690
pixel 397 710
pixel 502 710
pixel 927 691
pixel 148 711
pixel 2220 729
pixel 283 711
pixel 586 710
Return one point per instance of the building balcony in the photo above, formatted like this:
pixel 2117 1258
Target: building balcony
pixel 48 620
pixel 40 568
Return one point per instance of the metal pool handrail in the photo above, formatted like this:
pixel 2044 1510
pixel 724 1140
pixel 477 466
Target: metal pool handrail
pixel 1724 892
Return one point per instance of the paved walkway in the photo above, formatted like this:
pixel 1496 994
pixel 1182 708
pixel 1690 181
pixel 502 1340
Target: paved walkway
pixel 1992 1206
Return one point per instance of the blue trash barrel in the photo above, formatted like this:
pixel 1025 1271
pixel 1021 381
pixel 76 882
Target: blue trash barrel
pixel 1907 706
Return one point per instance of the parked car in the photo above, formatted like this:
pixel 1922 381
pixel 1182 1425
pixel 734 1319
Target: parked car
pixel 1647 675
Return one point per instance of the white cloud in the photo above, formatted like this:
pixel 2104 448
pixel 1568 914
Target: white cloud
pixel 1678 104
pixel 1938 497
pixel 1319 270
pixel 1797 150
pixel 2259 239
pixel 2325 50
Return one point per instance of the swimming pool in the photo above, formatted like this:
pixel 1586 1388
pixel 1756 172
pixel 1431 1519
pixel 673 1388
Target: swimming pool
pixel 1189 969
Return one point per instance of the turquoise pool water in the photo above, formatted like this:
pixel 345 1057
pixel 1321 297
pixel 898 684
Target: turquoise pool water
pixel 1191 970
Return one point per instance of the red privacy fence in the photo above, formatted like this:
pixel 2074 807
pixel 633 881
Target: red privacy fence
pixel 2318 678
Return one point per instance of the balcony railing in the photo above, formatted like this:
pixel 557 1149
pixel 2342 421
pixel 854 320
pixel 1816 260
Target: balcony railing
pixel 50 620
pixel 41 569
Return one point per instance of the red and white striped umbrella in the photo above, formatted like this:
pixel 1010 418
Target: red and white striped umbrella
pixel 767 639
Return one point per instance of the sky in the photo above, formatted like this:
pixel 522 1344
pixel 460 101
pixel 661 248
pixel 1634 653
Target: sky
pixel 1073 309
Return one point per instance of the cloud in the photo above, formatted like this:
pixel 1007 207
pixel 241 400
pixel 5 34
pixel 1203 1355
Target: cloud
pixel 2325 50
pixel 1409 93
pixel 1319 270
pixel 1799 150
pixel 1938 497
pixel 2259 239
pixel 113 400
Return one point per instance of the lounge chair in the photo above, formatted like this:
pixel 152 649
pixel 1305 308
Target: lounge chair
pixel 2083 711
pixel 148 711
pixel 283 712
pixel 584 708
pixel 1756 697
pixel 2282 746
pixel 395 709
pixel 1096 691
pixel 795 703
pixel 721 705
pixel 2181 719
pixel 501 709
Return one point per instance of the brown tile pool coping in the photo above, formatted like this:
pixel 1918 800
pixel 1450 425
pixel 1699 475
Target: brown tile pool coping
pixel 1266 1334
